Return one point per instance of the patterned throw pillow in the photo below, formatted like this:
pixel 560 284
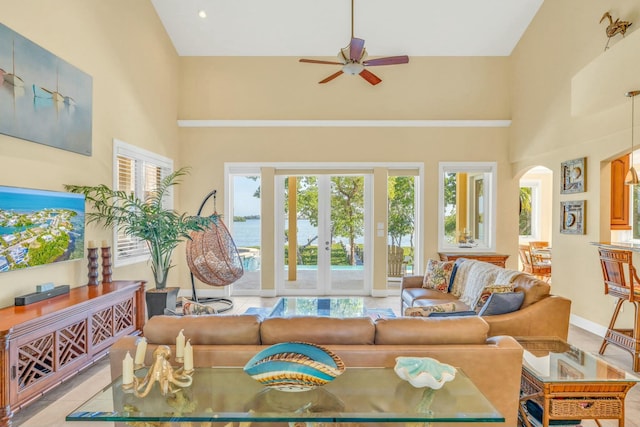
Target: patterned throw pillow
pixel 427 310
pixel 438 275
pixel 492 289
pixel 195 308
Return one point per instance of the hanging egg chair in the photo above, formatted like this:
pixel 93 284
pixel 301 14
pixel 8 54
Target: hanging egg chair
pixel 212 256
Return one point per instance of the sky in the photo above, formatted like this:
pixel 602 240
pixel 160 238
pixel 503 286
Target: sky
pixel 244 204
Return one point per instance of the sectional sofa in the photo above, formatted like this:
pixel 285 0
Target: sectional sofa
pixel 536 313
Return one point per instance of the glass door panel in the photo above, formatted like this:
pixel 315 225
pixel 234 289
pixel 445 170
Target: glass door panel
pixel 324 235
pixel 245 229
pixel 301 235
pixel 401 226
pixel 347 230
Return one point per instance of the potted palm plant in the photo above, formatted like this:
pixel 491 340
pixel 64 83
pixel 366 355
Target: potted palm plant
pixel 160 228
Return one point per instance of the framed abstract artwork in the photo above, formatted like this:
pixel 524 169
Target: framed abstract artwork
pixel 572 217
pixel 43 98
pixel 574 176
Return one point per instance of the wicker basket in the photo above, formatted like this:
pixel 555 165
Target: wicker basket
pixel 585 408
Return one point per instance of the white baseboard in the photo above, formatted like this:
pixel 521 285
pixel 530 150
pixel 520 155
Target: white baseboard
pixel 268 293
pixel 588 325
pixel 380 293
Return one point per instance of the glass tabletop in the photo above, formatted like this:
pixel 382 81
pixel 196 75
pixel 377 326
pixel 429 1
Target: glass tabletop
pixel 358 395
pixel 313 306
pixel 554 360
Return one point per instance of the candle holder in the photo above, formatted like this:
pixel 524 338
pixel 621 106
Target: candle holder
pixel 169 379
pixel 92 265
pixel 106 264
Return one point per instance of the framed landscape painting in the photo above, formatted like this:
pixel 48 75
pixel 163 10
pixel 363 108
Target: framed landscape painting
pixel 40 227
pixel 43 98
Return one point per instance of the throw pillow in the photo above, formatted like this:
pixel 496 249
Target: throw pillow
pixel 502 303
pixel 195 308
pixel 488 290
pixel 427 310
pixel 438 275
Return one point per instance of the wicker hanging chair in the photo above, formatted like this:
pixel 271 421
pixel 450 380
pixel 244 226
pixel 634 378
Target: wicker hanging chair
pixel 212 255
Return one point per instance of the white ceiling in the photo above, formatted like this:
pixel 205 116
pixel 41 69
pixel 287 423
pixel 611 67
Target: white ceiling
pixel 312 28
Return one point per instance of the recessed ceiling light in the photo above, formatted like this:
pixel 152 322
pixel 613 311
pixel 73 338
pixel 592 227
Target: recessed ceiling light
pixel 202 14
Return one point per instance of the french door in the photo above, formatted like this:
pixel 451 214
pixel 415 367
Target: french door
pixel 323 228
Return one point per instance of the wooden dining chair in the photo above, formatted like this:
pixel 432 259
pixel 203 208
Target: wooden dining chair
pixel 621 281
pixel 525 258
pixel 533 266
pixel 541 259
pixel 539 245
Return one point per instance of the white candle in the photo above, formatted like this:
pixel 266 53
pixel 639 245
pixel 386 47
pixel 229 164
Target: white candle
pixel 141 350
pixel 188 356
pixel 104 244
pixel 91 244
pixel 180 344
pixel 127 369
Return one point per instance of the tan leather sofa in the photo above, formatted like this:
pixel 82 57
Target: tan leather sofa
pixel 493 363
pixel 541 313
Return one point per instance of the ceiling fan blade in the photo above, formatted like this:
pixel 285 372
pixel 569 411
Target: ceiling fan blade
pixel 370 77
pixel 331 77
pixel 356 48
pixel 315 61
pixel 390 60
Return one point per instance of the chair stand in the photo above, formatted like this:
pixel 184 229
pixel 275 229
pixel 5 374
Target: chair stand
pixel 626 339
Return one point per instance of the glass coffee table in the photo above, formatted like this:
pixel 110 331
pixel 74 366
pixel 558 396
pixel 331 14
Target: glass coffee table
pixel 325 307
pixel 361 395
pixel 567 383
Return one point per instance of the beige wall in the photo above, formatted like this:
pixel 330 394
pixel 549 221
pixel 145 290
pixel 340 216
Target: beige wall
pixel 235 88
pixel 283 88
pixel 207 149
pixel 123 46
pixel 568 102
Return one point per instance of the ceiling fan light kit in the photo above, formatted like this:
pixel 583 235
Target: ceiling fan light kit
pixel 353 60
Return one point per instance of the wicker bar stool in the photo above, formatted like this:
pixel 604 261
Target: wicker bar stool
pixel 622 283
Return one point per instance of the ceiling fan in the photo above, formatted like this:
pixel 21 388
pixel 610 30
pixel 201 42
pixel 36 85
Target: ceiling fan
pixel 353 59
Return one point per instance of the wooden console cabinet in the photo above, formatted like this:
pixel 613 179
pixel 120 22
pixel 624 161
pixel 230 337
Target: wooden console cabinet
pixel 497 259
pixel 45 343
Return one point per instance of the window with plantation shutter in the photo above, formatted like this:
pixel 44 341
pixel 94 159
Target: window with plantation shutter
pixel 138 172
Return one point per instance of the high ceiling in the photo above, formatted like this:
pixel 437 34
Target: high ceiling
pixel 313 28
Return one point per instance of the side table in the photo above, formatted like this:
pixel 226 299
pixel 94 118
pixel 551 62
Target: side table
pixel 570 384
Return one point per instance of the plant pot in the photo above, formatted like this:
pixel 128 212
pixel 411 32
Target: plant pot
pixel 159 299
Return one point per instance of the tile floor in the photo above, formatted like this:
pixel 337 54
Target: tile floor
pixel 51 409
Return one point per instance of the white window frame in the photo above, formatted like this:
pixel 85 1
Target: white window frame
pixel 141 157
pixel 490 205
pixel 536 209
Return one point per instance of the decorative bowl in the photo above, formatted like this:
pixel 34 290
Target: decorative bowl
pixel 294 366
pixel 424 371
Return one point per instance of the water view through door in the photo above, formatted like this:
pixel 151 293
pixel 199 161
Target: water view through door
pixel 325 239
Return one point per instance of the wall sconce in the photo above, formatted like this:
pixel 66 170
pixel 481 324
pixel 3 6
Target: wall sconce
pixel 632 176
